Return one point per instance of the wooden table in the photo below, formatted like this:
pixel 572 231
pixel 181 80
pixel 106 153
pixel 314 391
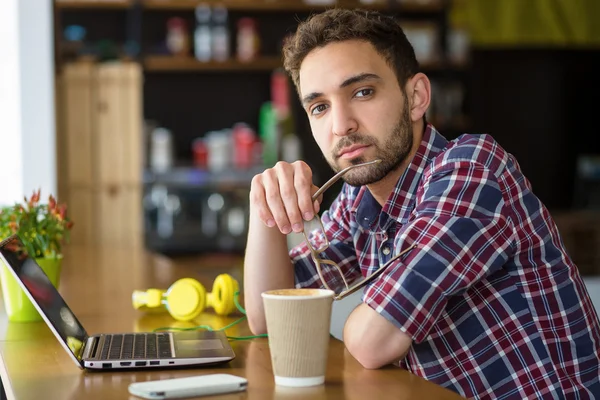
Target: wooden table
pixel 97 284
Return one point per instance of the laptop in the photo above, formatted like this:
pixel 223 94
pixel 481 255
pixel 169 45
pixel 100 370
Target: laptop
pixel 105 351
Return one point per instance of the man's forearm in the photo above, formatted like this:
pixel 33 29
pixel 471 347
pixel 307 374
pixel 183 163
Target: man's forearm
pixel 267 266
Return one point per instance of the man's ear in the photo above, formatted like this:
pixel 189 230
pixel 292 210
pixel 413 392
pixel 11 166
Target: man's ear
pixel 419 92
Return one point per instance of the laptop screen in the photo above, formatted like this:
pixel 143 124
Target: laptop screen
pixel 46 296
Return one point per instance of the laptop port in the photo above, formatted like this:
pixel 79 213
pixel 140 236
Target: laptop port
pixel 106 365
pixel 154 362
pixel 125 363
pixel 140 363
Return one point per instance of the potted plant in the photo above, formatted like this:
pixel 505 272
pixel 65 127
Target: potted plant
pixel 43 229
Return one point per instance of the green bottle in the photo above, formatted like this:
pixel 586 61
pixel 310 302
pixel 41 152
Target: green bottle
pixel 268 127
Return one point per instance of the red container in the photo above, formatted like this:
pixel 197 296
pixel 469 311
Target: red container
pixel 200 153
pixel 244 138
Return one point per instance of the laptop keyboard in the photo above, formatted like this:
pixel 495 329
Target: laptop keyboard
pixel 133 346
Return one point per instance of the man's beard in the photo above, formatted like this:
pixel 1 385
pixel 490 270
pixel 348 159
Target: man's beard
pixel 392 153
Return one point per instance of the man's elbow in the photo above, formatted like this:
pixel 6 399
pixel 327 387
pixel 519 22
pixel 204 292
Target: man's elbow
pixel 374 353
pixel 372 340
pixel 367 358
pixel 370 357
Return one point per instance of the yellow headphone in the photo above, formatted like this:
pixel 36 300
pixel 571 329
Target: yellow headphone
pixel 186 298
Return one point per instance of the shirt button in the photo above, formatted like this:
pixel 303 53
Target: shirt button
pixel 386 250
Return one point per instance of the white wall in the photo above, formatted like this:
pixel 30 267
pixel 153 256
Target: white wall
pixel 10 105
pixel 27 127
pixel 593 286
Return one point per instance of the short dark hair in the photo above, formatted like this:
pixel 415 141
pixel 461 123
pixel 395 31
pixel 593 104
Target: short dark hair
pixel 337 25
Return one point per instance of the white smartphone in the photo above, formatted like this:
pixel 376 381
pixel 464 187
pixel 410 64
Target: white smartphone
pixel 192 386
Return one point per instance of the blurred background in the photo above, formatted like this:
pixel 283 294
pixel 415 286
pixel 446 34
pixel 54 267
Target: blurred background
pixel 150 117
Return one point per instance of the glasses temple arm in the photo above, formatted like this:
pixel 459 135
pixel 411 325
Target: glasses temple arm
pixel 337 176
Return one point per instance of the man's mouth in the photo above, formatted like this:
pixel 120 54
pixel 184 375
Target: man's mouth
pixel 352 151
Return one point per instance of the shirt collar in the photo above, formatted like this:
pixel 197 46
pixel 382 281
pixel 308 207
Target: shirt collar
pixel 401 201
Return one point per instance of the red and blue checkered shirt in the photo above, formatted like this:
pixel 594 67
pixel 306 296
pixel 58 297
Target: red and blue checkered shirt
pixel 493 303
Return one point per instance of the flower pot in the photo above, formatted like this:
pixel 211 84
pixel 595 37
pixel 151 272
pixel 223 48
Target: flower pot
pixel 18 306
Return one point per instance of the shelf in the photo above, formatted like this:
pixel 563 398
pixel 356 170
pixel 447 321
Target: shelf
pixel 246 5
pixel 93 4
pixel 258 5
pixel 291 5
pixel 188 64
pixel 167 63
pixel 188 176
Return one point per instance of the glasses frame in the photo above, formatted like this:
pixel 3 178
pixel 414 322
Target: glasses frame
pixel 315 252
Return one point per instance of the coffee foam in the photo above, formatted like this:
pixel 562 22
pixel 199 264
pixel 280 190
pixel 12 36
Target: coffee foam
pixel 304 292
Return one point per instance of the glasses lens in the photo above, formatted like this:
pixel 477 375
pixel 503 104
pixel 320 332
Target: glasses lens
pixel 315 235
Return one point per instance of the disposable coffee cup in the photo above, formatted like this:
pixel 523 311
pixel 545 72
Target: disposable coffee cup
pixel 298 322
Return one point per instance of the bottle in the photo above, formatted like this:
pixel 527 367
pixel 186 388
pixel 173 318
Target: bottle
pixel 220 34
pixel 177 37
pixel 280 92
pixel 219 150
pixel 202 33
pixel 290 147
pixel 247 39
pixel 243 145
pixel 269 133
pixel 161 150
pixel 200 152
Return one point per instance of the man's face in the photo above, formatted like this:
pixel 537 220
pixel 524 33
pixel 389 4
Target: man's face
pixel 356 108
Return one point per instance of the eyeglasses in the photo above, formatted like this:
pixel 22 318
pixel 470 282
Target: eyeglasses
pixel 322 243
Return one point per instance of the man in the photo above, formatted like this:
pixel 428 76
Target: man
pixel 485 301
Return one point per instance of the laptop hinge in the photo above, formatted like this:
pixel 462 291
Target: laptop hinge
pixel 88 347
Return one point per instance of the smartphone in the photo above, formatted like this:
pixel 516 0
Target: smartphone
pixel 192 386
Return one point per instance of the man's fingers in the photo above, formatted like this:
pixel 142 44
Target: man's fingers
pixel 317 203
pixel 285 179
pixel 303 185
pixel 275 202
pixel 259 202
pixel 281 196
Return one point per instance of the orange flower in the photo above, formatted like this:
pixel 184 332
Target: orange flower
pixel 34 200
pixel 62 211
pixel 51 203
pixel 36 196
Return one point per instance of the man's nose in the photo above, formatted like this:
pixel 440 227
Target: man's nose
pixel 344 122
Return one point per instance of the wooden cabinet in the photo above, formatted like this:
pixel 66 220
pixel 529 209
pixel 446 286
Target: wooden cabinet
pixel 99 127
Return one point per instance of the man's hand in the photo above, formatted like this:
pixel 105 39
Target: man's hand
pixel 281 196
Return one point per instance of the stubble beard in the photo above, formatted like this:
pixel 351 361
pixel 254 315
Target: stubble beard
pixel 392 153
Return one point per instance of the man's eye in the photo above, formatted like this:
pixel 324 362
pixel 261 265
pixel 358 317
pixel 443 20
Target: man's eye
pixel 364 93
pixel 318 109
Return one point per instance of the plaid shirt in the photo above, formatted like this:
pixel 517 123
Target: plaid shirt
pixel 493 303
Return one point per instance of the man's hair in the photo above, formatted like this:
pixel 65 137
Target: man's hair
pixel 337 25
